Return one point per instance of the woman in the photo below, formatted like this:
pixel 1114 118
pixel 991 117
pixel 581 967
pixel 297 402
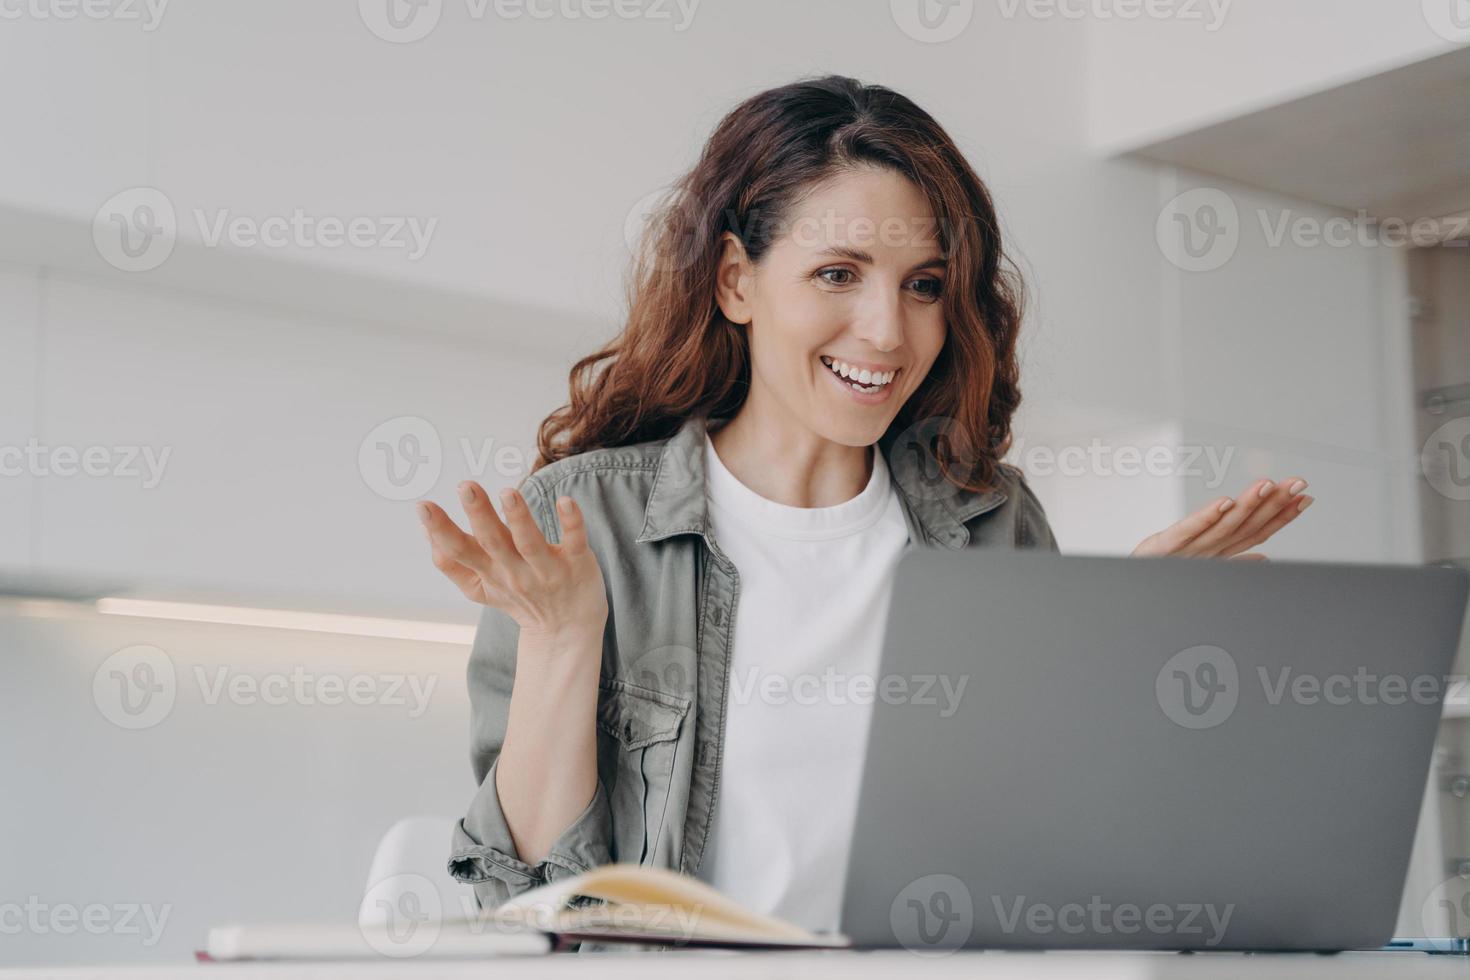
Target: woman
pixel 817 373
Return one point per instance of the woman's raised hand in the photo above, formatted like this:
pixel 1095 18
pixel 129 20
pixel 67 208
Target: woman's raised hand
pixel 1227 527
pixel 551 590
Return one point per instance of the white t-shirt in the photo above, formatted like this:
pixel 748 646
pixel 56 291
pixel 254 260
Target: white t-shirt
pixel 815 584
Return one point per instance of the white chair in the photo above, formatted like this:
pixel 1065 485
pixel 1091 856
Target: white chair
pixel 408 872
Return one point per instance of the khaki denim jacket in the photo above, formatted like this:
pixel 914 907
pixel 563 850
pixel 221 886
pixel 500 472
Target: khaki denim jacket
pixel 666 650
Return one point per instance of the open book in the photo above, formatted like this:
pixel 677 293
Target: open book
pixel 652 906
pixel 637 905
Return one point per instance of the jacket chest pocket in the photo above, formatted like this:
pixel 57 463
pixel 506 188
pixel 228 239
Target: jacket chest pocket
pixel 638 732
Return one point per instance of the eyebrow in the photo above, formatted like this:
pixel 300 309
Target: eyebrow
pixel 858 255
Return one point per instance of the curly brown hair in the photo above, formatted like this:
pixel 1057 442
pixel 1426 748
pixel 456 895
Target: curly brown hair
pixel 678 356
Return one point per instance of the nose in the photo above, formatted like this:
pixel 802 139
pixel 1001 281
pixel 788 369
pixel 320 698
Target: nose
pixel 881 322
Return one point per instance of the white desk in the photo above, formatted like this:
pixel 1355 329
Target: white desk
pixel 689 965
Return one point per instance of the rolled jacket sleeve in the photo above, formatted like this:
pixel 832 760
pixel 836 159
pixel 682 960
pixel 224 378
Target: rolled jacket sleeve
pixel 482 850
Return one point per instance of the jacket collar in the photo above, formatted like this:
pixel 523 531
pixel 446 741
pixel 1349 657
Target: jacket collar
pixel 934 509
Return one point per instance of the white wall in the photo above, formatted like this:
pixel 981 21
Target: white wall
pixel 19 334
pixel 256 418
pixel 1156 77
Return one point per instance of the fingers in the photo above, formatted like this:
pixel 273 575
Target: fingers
pixel 465 578
pixel 1283 500
pixel 529 541
pixel 1175 538
pixel 487 526
pixel 1213 541
pixel 573 527
pixel 1289 512
pixel 1253 556
pixel 446 538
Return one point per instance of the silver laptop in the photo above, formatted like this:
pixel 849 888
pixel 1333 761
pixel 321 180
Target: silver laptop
pixel 1163 753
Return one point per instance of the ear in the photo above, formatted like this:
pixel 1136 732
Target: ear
pixel 734 278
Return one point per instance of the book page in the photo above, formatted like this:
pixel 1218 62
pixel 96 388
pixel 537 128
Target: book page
pixel 675 903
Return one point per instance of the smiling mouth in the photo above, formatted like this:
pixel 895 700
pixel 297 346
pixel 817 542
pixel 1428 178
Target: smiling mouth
pixel 860 380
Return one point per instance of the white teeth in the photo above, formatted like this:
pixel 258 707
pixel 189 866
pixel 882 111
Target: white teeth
pixel 869 379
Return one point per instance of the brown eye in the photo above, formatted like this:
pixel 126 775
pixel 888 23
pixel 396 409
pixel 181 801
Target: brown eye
pixel 839 272
pixel 934 290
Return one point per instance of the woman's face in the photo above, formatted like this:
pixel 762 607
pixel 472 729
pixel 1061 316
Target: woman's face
pixel 843 312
